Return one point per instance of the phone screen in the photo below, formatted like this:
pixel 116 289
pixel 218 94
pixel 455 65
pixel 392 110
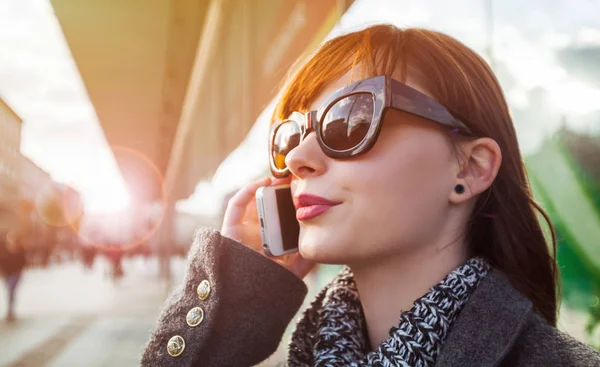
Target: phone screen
pixel 290 228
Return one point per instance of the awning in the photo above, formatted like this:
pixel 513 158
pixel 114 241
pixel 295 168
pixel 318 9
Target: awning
pixel 177 84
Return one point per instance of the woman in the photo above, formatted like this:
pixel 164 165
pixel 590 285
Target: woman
pixel 415 163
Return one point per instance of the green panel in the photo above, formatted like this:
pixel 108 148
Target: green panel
pixel 571 196
pixel 575 210
pixel 578 282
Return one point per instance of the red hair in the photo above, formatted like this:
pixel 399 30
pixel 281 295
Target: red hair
pixel 509 235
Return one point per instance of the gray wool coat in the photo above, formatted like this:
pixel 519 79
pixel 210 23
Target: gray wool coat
pixel 252 299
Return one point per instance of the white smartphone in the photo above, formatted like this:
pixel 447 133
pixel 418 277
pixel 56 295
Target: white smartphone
pixel 279 227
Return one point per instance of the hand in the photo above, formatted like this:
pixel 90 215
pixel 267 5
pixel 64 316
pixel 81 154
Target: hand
pixel 241 224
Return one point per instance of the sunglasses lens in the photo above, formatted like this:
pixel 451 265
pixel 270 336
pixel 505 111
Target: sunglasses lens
pixel 347 122
pixel 287 137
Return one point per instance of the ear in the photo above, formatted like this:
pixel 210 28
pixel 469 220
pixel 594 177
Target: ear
pixel 479 163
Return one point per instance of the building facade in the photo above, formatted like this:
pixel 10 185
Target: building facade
pixel 32 178
pixel 47 212
pixel 10 155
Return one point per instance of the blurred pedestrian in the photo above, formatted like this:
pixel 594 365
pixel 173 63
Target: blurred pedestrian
pixel 12 263
pixel 115 254
pixel 88 255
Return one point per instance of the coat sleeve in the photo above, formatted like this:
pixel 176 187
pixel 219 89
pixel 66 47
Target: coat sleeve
pixel 231 310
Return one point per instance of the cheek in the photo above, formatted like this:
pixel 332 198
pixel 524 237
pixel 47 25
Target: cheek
pixel 400 191
pixel 390 193
pixel 404 166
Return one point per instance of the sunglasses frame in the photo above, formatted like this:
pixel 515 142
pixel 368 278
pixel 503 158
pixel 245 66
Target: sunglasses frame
pixel 386 93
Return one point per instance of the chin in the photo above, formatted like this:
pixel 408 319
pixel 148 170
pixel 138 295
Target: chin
pixel 323 252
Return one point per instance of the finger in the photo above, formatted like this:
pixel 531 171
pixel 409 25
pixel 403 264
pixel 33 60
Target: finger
pixel 281 181
pixel 285 260
pixel 236 208
pixel 251 212
pixel 254 241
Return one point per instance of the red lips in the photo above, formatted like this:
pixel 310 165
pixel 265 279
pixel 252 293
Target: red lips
pixel 310 206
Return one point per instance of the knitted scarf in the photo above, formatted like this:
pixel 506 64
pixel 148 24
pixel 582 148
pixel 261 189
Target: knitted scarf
pixel 332 331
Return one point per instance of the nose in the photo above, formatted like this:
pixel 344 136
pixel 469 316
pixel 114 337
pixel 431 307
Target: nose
pixel 307 159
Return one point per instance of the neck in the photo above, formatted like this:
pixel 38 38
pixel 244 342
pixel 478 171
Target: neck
pixel 389 286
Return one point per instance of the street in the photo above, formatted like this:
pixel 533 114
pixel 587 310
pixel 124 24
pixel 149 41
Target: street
pixel 71 316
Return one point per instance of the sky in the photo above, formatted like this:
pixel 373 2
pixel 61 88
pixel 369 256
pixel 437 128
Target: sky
pixel 40 81
pixel 61 133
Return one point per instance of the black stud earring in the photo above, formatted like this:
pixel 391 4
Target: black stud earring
pixel 459 189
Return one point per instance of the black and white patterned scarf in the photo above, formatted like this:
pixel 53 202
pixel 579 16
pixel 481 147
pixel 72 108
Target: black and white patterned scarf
pixel 332 331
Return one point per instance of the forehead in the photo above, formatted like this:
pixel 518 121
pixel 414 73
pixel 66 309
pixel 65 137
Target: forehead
pixel 330 89
pixel 350 77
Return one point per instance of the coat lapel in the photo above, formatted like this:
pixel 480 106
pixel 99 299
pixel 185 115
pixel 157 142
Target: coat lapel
pixel 488 326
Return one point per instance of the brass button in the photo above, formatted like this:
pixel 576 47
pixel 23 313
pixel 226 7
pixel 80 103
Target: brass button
pixel 195 316
pixel 203 290
pixel 175 346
